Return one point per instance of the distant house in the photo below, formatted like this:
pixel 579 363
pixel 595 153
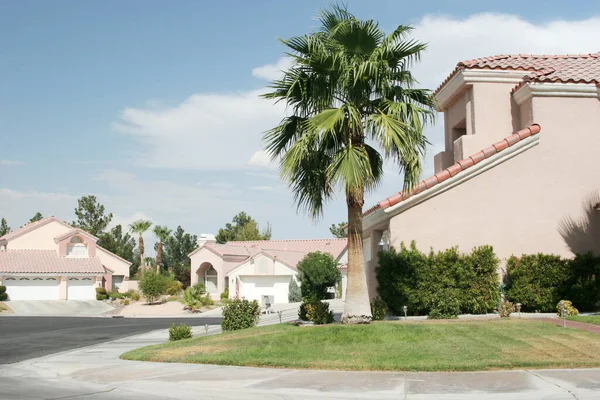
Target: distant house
pixel 534 190
pixel 50 260
pixel 256 268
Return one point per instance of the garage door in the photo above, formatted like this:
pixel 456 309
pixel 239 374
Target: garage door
pixel 35 288
pixel 81 289
pixel 253 287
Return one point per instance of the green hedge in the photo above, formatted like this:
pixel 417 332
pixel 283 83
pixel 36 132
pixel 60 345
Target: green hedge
pixel 540 281
pixel 442 283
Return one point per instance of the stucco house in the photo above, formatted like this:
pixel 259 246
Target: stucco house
pixel 255 268
pixel 520 170
pixel 51 260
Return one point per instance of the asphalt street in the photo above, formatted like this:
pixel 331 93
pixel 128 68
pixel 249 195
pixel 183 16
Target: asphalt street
pixel 22 338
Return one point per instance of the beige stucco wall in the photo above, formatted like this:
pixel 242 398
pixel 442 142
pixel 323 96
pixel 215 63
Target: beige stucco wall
pixel 41 238
pixel 111 262
pixel 517 206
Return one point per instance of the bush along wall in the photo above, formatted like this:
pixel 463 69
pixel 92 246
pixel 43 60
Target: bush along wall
pixel 441 284
pixel 540 281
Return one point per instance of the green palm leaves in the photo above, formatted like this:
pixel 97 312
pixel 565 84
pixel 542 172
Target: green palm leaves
pixel 351 104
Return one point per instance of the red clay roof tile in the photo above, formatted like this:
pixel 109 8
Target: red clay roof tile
pixel 569 68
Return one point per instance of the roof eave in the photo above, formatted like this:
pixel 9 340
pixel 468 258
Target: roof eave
pixel 465 77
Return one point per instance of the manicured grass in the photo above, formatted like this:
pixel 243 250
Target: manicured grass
pixel 392 346
pixel 590 319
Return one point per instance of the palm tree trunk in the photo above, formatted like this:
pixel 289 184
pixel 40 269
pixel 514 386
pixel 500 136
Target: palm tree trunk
pixel 158 256
pixel 141 252
pixel 357 309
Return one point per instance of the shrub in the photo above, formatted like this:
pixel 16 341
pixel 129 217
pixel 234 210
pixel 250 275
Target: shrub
pixel 447 282
pixel 3 295
pixel 116 295
pixel 101 293
pixel 537 281
pixel 505 309
pixel 199 287
pixel 192 298
pixel 2 289
pixel 583 286
pixel 240 314
pixel 207 300
pixel 178 332
pixel 378 309
pixel 134 295
pixel 174 287
pixel 225 295
pixel 568 307
pixel 294 293
pixel 445 304
pixel 319 313
pixel 125 302
pixel 302 311
pixel 317 272
pixel 153 285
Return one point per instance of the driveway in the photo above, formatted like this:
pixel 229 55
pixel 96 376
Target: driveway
pixel 59 307
pixel 23 338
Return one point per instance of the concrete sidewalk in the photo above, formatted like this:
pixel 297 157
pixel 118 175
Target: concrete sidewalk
pixel 97 373
pixel 86 308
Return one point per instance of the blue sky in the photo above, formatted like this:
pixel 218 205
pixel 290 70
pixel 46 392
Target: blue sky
pixel 153 105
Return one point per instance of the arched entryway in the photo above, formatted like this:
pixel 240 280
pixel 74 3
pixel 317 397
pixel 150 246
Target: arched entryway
pixel 208 275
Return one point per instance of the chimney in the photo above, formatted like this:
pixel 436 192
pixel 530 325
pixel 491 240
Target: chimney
pixel 206 238
pixel 3 243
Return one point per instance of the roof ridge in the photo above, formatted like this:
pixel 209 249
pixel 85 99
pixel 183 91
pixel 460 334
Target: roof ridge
pixel 283 240
pixel 458 167
pixel 28 227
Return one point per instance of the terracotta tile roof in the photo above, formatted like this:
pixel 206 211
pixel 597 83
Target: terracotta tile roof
pixel 290 251
pixel 457 168
pixel 568 68
pixel 47 262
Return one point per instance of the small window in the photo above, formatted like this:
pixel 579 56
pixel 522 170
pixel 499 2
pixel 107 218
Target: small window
pixel 86 279
pixel 37 279
pixel 50 279
pixel 10 279
pixel 24 279
pixel 76 239
pixel 73 279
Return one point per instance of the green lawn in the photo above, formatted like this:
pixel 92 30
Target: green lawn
pixel 391 346
pixel 590 319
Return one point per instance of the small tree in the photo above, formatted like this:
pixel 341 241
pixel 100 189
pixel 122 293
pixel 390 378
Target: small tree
pixel 38 215
pixel 294 293
pixel 4 228
pixel 153 285
pixel 317 272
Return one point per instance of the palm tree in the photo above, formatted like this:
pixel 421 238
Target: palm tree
pixel 162 233
pixel 140 226
pixel 350 98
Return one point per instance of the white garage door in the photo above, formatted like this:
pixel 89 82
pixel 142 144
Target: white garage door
pixel 35 288
pixel 253 287
pixel 81 289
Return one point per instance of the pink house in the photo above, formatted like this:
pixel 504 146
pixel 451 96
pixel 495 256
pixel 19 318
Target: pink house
pixel 50 260
pixel 259 268
pixel 520 169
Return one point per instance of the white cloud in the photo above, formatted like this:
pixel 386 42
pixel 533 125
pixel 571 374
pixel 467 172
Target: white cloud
pixel 271 72
pixel 206 131
pixel 261 159
pixel 11 162
pixel 265 175
pixel 263 188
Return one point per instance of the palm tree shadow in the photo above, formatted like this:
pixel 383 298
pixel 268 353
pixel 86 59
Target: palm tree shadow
pixel 583 235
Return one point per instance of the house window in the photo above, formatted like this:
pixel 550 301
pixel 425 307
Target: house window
pixel 76 248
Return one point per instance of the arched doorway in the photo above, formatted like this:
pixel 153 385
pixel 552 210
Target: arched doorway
pixel 208 275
